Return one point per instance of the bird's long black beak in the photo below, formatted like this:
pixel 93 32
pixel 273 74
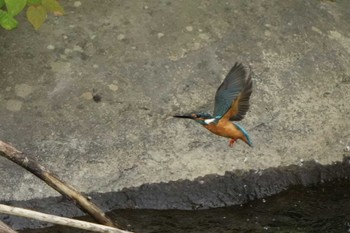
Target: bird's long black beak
pixel 188 116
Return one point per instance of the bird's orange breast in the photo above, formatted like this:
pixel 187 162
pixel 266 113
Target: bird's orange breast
pixel 224 129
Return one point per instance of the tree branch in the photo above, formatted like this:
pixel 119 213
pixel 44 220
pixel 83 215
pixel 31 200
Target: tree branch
pixel 52 180
pixel 6 229
pixel 57 220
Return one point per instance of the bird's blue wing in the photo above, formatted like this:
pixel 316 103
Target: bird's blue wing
pixel 229 90
pixel 242 105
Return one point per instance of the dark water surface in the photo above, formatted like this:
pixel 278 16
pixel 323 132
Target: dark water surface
pixel 322 208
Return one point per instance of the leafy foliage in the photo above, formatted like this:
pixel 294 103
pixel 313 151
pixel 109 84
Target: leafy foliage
pixel 37 11
pixel 36 15
pixel 14 7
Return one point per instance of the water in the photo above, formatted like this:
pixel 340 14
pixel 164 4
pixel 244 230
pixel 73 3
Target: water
pixel 323 208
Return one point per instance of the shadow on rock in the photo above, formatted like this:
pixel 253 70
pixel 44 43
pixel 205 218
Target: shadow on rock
pixel 211 191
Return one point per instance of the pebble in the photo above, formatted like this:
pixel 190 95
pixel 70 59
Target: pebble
pixel 160 35
pixel 14 105
pixel 121 37
pixel 189 28
pixel 196 45
pixel 113 87
pixel 347 148
pixel 60 67
pixel 204 36
pixel 267 33
pixel 50 47
pixel 77 3
pixel 334 35
pixel 78 48
pixel 87 95
pixel 23 90
pixel 315 29
pixel 67 51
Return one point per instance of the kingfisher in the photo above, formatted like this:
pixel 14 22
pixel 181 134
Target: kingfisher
pixel 231 104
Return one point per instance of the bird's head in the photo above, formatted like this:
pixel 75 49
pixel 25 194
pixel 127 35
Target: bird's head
pixel 201 118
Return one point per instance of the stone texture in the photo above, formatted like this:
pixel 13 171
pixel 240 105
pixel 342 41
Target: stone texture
pixel 298 52
pixel 211 191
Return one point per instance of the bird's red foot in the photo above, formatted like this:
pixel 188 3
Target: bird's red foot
pixel 231 142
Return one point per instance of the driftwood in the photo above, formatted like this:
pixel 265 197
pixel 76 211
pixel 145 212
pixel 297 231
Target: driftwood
pixel 52 180
pixel 6 229
pixel 57 220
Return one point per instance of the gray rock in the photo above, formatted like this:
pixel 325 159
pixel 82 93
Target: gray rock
pixel 298 52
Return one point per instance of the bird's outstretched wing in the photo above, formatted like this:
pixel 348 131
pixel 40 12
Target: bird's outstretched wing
pixel 232 96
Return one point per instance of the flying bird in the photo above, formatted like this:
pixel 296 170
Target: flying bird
pixel 231 104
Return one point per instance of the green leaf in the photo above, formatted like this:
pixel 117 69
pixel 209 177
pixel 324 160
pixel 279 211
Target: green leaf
pixel 53 6
pixel 36 16
pixel 34 2
pixel 7 21
pixel 15 6
pixel 2 3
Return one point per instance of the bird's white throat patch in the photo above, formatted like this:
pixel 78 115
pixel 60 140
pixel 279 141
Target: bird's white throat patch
pixel 208 121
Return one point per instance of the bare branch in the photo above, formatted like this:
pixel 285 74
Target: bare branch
pixel 6 229
pixel 57 220
pixel 52 180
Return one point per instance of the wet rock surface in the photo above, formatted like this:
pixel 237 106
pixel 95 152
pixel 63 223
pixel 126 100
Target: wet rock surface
pixel 322 208
pixel 211 191
pixel 91 93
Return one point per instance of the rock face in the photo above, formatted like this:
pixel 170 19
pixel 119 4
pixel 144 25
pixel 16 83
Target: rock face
pixel 91 94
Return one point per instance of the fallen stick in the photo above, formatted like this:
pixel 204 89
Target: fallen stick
pixel 52 180
pixel 5 209
pixel 6 229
